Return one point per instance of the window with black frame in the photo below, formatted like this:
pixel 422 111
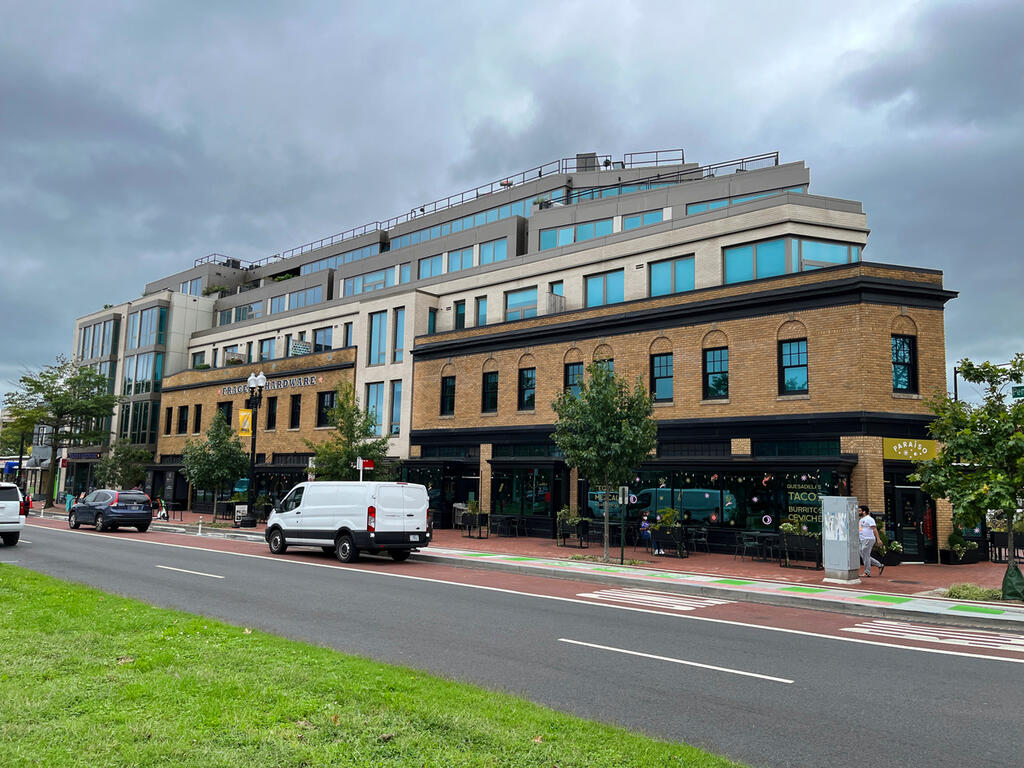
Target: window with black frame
pixel 447 395
pixel 793 367
pixel 489 392
pixel 325 401
pixel 527 388
pixel 573 378
pixel 716 373
pixel 661 378
pixel 904 364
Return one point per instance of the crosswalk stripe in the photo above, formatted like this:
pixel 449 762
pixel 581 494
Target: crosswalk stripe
pixel 654 599
pixel 945 636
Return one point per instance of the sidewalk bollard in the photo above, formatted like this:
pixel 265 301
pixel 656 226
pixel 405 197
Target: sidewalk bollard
pixel 200 526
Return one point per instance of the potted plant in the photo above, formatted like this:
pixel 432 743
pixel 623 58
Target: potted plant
pixel 800 543
pixel 569 522
pixel 960 551
pixel 890 551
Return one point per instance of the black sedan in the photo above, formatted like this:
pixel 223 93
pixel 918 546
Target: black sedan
pixel 107 510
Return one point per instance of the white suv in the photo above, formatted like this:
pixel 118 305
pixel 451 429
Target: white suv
pixel 13 510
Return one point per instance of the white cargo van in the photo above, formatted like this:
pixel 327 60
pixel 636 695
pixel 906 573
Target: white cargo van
pixel 13 509
pixel 348 518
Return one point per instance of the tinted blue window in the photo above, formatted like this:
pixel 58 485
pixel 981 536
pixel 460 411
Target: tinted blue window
pixel 548 239
pixel 595 291
pixel 854 253
pixel 495 250
pixel 613 192
pixel 446 229
pixel 456 226
pixel 517 208
pixel 492 215
pixel 684 275
pixel 831 253
pixel 435 232
pixel 603 228
pixel 378 338
pixel 771 258
pixel 565 235
pixel 584 232
pixel 716 204
pixel 629 189
pixel 652 217
pixel 632 222
pixel 739 264
pixel 405 273
pixel 661 278
pixel 505 211
pixel 521 304
pixel 480 219
pixel 614 290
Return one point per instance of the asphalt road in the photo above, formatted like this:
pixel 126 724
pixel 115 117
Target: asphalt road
pixel 719 686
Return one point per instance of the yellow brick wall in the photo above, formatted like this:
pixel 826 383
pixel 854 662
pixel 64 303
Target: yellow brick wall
pixel 741 446
pixel 281 439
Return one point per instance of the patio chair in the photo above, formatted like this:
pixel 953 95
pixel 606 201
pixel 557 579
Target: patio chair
pixel 745 544
pixel 699 538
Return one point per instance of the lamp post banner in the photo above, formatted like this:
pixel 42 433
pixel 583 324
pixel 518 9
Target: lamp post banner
pixel 245 422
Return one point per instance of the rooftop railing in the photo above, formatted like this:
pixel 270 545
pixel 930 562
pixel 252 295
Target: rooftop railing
pixel 648 159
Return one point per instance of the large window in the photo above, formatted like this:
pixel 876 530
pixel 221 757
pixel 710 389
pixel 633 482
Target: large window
pixel 793 367
pixel 645 219
pixel 521 304
pixel 133 329
pixel 756 260
pixel 661 378
pixel 295 412
pixel 371 281
pixel 904 364
pixel 378 338
pixel 481 310
pixel 405 272
pixel 672 276
pixel 527 388
pixel 197 418
pixel 249 311
pixel 814 254
pixel 278 304
pixel 323 339
pixel 460 259
pixel 460 315
pixel 447 395
pixel 431 266
pixel 572 378
pixel 143 373
pixel 266 349
pixel 398 343
pixel 325 401
pixel 339 259
pixel 308 297
pixel 348 334
pixel 716 373
pixel 198 358
pixel 495 250
pixel 431 320
pixel 375 405
pixel 489 392
pixel 396 407
pixel 606 288
pixel 192 287
pixel 182 419
pixel 147 327
pixel 224 317
pixel 560 236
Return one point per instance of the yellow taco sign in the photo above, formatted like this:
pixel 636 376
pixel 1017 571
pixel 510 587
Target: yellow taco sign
pixel 909 450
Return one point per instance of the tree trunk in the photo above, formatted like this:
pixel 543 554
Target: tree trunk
pixel 1011 559
pixel 607 527
pixel 54 469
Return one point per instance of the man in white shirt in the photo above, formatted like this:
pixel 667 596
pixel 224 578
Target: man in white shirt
pixel 868 537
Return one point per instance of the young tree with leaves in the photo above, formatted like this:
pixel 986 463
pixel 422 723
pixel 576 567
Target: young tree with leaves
pixel 124 467
pixel 356 436
pixel 216 462
pixel 73 401
pixel 981 464
pixel 605 431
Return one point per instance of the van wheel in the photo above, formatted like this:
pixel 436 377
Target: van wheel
pixel 73 519
pixel 346 549
pixel 10 539
pixel 278 546
pixel 398 555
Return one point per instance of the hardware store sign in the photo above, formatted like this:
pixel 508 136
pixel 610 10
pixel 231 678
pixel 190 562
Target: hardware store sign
pixel 290 383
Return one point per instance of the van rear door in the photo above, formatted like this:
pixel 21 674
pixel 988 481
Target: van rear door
pixel 415 508
pixel 390 508
pixel 10 504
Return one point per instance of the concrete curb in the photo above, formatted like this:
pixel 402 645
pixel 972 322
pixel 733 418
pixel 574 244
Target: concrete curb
pixel 1014 623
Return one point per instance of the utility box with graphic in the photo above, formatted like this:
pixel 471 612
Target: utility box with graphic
pixel 840 544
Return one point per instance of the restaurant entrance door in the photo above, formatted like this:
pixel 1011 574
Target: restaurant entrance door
pixel 913 518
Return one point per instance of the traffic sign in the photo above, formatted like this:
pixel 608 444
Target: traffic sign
pixel 623 494
pixel 1018 392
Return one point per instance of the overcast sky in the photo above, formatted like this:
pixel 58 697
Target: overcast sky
pixel 136 137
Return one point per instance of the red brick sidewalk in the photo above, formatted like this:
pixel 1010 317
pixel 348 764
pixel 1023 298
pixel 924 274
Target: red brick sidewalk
pixel 905 579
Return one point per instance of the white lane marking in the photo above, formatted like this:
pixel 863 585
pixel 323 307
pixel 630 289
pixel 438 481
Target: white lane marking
pixel 24 541
pixel 338 567
pixel 655 599
pixel 194 573
pixel 945 635
pixel 712 667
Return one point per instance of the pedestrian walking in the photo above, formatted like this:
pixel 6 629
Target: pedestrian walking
pixel 868 538
pixel 645 531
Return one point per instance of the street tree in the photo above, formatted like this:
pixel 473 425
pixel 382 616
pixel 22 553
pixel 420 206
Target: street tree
pixel 981 464
pixel 355 436
pixel 217 461
pixel 123 467
pixel 16 436
pixel 74 402
pixel 605 431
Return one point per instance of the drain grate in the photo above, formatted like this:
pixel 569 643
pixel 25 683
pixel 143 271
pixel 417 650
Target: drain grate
pixel 898 581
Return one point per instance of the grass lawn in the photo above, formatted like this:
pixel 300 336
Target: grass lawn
pixel 92 679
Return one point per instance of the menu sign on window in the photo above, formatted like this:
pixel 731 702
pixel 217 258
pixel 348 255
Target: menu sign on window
pixel 803 502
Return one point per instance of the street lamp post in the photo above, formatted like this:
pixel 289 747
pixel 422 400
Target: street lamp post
pixel 256 382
